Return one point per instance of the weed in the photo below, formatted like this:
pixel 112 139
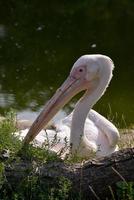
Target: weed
pixel 30 187
pixel 125 191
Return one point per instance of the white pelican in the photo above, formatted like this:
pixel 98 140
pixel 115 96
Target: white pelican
pixel 86 129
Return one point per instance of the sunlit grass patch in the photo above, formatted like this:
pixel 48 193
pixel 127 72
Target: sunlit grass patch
pixel 126 133
pixel 126 139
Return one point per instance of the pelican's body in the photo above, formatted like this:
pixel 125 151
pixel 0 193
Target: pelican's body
pixel 95 138
pixel 85 129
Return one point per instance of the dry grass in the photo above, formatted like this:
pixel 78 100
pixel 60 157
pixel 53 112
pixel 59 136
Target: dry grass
pixel 127 138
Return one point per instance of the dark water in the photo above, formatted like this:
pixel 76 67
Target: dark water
pixel 40 40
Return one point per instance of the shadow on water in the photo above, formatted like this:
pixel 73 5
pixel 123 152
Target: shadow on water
pixel 40 40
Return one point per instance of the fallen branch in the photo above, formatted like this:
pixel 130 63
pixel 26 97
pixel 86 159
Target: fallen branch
pixel 94 179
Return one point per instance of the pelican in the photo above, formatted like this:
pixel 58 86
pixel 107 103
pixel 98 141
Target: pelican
pixel 86 129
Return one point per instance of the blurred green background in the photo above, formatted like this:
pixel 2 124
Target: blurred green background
pixel 40 41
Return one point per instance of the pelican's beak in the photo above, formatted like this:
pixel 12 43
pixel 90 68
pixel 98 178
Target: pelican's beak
pixel 69 88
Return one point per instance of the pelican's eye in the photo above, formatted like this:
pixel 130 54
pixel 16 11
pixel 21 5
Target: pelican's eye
pixel 80 70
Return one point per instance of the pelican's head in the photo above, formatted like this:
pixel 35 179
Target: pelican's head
pixel 87 73
pixel 92 67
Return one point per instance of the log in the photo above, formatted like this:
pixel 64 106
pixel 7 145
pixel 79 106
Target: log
pixel 93 179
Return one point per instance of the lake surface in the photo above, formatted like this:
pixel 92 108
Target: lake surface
pixel 40 41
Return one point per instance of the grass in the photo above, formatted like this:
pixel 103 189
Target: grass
pixel 127 138
pixel 126 134
pixel 125 191
pixel 31 186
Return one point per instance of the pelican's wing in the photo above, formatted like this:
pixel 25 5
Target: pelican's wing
pixel 106 134
pixel 105 126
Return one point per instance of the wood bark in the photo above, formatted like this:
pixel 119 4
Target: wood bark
pixel 92 179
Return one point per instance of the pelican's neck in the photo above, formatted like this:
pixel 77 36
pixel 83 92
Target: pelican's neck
pixel 82 109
